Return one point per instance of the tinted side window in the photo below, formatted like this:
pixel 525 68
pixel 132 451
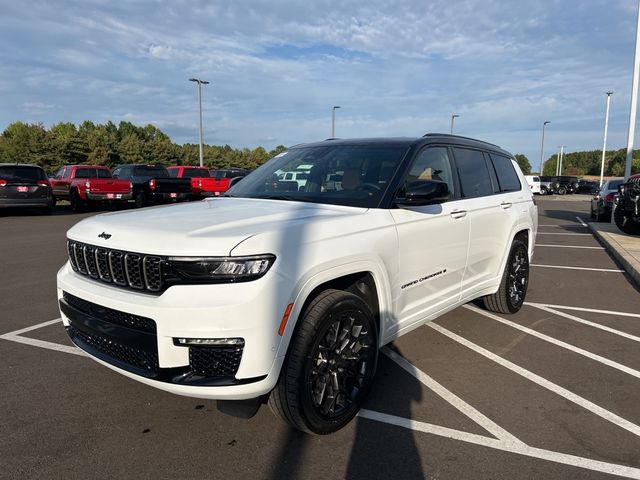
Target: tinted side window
pixel 507 176
pixel 433 164
pixel 67 172
pixel 473 173
pixel 173 172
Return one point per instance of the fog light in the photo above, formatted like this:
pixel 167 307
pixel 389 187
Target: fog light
pixel 211 342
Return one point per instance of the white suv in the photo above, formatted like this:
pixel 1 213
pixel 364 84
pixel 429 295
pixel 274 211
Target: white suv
pixel 281 294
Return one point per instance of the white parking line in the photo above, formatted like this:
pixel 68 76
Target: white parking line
pixel 15 337
pixel 559 343
pixel 567 234
pixel 582 222
pixel 568 246
pixel 543 382
pixel 453 399
pixel 610 270
pixel 563 225
pixel 583 309
pixel 520 449
pixel 587 322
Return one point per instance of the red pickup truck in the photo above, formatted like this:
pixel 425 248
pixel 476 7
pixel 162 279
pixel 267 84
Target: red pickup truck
pixel 86 185
pixel 202 185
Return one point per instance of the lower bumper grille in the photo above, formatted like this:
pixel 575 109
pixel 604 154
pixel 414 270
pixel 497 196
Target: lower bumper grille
pixel 215 361
pixel 136 357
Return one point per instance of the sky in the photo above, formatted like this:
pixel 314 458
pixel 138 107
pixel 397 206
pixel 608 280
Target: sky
pixel 396 68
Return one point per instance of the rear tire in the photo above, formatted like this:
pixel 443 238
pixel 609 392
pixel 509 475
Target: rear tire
pixel 330 366
pixel 140 200
pixel 515 280
pixel 77 204
pixel 562 191
pixel 625 224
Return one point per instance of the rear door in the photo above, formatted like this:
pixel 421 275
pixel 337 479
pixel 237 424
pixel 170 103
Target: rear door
pixel 433 242
pixel 492 213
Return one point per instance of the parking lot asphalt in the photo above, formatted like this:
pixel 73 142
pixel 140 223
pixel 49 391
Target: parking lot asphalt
pixel 550 392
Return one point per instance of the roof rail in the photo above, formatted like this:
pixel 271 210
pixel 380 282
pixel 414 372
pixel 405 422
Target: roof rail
pixel 460 136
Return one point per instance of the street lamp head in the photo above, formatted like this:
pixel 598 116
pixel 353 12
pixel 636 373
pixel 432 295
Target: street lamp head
pixel 204 82
pixel 336 106
pixel 455 115
pixel 609 93
pixel 546 122
pixel 193 79
pixel 197 80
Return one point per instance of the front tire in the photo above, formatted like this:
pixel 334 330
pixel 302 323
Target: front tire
pixel 330 366
pixel 515 280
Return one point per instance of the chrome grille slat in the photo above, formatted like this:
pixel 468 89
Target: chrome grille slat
pixel 125 269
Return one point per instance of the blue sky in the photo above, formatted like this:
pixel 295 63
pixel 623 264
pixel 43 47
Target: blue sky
pixel 397 68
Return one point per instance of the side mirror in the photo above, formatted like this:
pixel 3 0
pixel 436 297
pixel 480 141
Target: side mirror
pixel 424 192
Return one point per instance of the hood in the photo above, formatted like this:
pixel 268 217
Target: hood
pixel 211 227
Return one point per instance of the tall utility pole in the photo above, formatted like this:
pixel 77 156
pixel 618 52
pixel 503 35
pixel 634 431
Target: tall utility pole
pixel 200 83
pixel 453 117
pixel 559 160
pixel 546 122
pixel 634 101
pixel 604 146
pixel 333 120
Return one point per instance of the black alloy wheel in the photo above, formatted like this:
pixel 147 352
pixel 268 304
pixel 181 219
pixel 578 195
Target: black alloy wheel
pixel 515 281
pixel 330 365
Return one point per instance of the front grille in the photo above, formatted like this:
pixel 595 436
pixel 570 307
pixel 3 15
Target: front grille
pixel 137 357
pixel 110 315
pixel 215 361
pixel 126 269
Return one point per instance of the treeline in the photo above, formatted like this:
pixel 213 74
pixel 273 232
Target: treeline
pixel 588 163
pixel 111 145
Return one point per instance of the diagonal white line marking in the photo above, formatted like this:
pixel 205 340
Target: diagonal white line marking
pixel 539 453
pixel 583 309
pixel 563 225
pixel 543 382
pixel 578 268
pixel 453 399
pixel 587 322
pixel 568 246
pixel 32 327
pixel 582 222
pixel 42 344
pixel 559 343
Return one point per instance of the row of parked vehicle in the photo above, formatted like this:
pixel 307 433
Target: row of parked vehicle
pixel 624 196
pixel 84 186
pixel 560 185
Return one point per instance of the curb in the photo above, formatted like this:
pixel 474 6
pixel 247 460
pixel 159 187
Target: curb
pixel 617 243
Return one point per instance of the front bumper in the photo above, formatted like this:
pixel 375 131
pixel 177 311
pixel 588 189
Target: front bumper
pixel 250 311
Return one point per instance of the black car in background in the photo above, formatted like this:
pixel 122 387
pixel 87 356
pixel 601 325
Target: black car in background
pixel 153 185
pixel 25 186
pixel 566 184
pixel 587 186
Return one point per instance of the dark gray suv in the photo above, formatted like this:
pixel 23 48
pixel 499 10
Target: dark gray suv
pixel 25 186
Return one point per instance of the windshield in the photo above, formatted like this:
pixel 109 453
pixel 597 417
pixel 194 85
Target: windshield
pixel 92 173
pixel 350 175
pixel 18 173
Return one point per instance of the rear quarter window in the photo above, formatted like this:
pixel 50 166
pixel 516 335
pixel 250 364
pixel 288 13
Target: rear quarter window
pixel 506 173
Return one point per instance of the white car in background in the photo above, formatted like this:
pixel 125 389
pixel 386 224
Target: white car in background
pixel 283 295
pixel 534 183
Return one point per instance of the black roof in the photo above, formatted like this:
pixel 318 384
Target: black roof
pixel 409 142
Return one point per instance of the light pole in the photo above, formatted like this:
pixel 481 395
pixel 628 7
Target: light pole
pixel 604 146
pixel 559 160
pixel 333 120
pixel 200 83
pixel 542 146
pixel 453 117
pixel 634 102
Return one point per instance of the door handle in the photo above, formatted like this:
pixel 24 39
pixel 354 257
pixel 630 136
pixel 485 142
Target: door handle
pixel 458 213
pixel 505 205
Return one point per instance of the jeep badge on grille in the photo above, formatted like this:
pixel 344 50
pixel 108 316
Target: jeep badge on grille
pixel 105 235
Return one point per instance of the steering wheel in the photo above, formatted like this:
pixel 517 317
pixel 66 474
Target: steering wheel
pixel 368 187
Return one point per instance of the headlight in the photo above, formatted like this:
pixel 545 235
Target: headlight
pixel 217 269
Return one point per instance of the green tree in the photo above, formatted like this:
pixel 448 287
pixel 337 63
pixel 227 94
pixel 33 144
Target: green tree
pixel 523 161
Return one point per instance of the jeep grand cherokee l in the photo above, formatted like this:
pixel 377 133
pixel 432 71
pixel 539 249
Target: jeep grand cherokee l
pixel 280 294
